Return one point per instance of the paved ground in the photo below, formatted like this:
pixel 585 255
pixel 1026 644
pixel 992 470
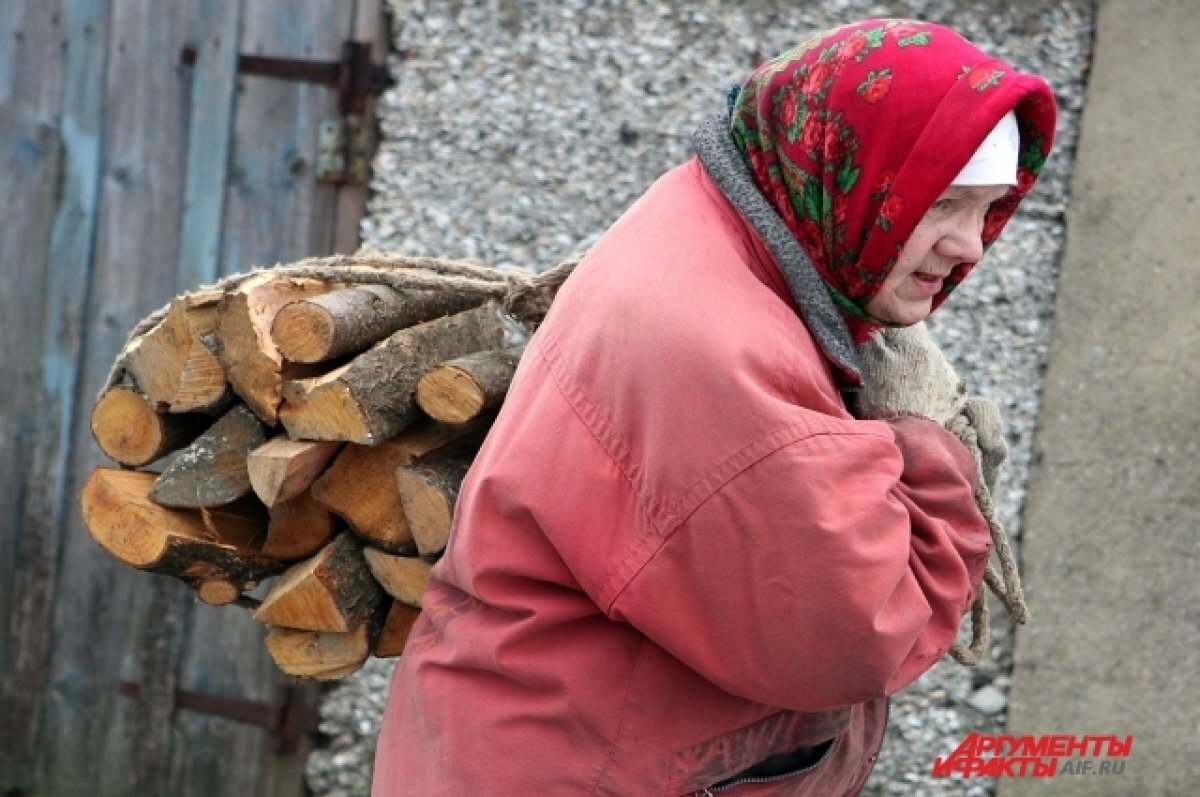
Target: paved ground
pixel 1112 529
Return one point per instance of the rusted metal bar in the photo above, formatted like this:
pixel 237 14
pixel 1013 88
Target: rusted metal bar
pixel 287 719
pixel 354 76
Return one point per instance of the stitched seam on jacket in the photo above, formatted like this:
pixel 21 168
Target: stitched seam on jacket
pixel 752 454
pixel 547 350
pixel 612 753
pixel 664 515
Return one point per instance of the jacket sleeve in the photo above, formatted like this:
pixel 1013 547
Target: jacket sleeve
pixel 832 571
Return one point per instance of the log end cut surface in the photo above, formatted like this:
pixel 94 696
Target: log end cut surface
pixel 127 428
pixel 119 516
pixel 450 394
pixel 320 655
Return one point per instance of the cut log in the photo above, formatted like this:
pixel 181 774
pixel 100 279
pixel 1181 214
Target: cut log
pixel 298 528
pixel 402 577
pixel 216 552
pixel 322 655
pixel 212 470
pixel 280 469
pixel 155 360
pixel 330 591
pixel 371 399
pixel 249 356
pixel 464 388
pixel 396 628
pixel 202 383
pixel 360 485
pixel 128 429
pixel 175 364
pixel 351 319
pixel 428 491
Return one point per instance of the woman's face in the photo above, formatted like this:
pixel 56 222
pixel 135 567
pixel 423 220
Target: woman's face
pixel 950 233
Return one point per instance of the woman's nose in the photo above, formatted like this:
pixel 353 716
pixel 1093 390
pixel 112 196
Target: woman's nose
pixel 963 241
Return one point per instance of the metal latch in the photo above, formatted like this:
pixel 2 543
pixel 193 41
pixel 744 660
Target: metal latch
pixel 286 719
pixel 344 144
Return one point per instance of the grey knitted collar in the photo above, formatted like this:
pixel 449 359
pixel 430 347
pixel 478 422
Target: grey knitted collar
pixel 725 166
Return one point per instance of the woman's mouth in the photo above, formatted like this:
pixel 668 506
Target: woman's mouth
pixel 929 284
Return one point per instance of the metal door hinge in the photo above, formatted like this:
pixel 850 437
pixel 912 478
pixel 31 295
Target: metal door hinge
pixel 344 147
pixel 286 719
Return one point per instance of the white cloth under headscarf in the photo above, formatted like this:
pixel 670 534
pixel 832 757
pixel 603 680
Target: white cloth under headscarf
pixel 995 162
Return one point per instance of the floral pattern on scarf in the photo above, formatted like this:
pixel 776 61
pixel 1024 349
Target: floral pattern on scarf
pixel 852 135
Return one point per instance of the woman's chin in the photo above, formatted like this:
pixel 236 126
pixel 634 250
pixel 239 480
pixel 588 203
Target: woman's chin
pixel 902 312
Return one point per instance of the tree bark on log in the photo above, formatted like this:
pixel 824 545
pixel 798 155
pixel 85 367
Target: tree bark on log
pixel 216 552
pixel 331 591
pixel 402 577
pixel 351 319
pixel 298 528
pixel 465 387
pixel 428 491
pixel 360 485
pixel 280 469
pixel 244 318
pixel 396 628
pixel 130 431
pixel 212 470
pixel 371 398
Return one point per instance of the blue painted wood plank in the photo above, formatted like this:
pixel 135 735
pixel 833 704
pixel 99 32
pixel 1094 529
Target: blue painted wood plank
pixel 68 270
pixel 30 162
pixel 210 130
pixel 276 211
pixel 112 622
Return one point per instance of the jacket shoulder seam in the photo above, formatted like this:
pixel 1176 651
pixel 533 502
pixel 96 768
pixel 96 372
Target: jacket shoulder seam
pixel 714 481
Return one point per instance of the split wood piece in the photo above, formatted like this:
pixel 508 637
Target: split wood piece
pixel 212 470
pixel 396 628
pixel 428 491
pixel 402 577
pixel 360 485
pixel 175 364
pixel 130 431
pixel 351 319
pixel 298 528
pixel 330 591
pixel 371 398
pixel 244 317
pixel 463 388
pixel 202 383
pixel 215 552
pixel 322 655
pixel 280 469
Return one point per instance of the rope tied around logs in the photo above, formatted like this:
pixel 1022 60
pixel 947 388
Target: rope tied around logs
pixel 522 294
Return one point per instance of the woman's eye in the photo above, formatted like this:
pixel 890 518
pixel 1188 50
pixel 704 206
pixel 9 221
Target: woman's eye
pixel 942 205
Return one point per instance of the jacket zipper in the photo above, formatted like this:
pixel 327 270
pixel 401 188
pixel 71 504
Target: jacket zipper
pixel 710 791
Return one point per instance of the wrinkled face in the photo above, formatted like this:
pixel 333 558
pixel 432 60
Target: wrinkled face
pixel 950 233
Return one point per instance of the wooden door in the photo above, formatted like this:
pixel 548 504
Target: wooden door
pixel 128 173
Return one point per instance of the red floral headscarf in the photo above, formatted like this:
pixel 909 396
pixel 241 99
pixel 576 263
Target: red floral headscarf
pixel 854 134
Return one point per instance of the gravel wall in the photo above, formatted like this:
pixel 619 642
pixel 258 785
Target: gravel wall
pixel 520 129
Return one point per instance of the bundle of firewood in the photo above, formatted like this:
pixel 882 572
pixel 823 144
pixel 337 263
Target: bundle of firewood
pixel 313 424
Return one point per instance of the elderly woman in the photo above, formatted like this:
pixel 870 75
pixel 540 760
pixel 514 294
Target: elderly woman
pixel 699 549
